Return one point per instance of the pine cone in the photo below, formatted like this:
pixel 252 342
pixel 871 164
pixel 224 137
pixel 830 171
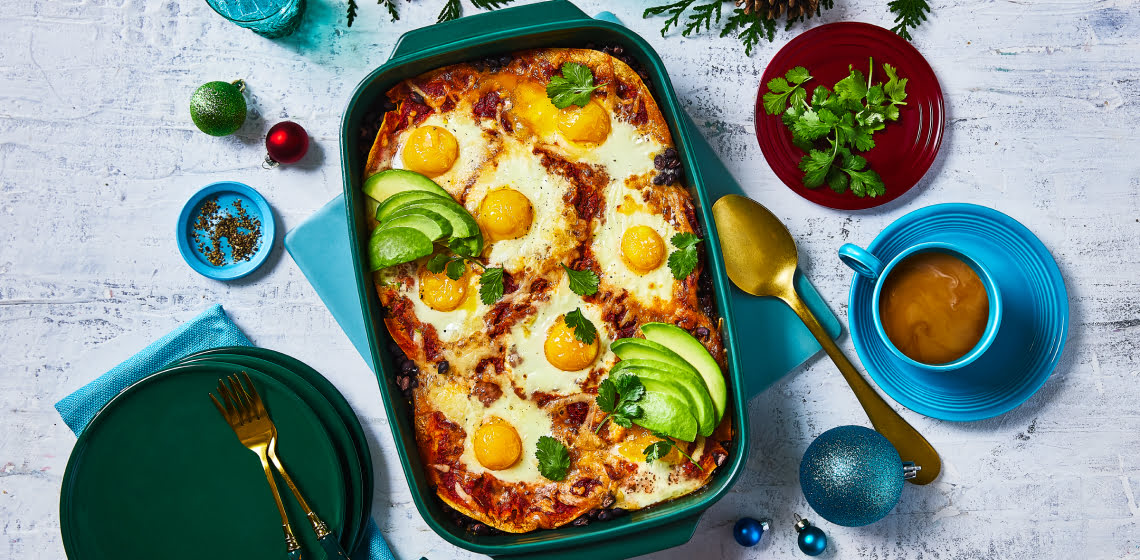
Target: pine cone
pixel 772 9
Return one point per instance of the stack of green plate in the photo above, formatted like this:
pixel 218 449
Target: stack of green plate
pixel 159 474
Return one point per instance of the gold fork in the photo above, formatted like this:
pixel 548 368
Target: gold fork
pixel 246 414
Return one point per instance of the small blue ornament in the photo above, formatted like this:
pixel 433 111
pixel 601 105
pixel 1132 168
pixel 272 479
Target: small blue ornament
pixel 853 476
pixel 748 531
pixel 812 539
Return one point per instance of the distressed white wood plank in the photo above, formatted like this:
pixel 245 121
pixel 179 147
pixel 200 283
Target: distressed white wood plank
pixel 97 155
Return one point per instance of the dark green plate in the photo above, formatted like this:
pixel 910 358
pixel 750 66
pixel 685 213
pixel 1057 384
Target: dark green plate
pixel 159 474
pixel 332 421
pixel 334 398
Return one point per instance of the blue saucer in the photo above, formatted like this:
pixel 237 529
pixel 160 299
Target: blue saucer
pixel 226 193
pixel 1032 334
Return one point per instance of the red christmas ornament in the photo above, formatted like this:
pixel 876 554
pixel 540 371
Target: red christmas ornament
pixel 287 142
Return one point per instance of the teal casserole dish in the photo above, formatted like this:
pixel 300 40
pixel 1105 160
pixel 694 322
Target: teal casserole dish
pixel 548 24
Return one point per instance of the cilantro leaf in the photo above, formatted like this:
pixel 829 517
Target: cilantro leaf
pixel 853 87
pixel 811 125
pixel 659 449
pixel 582 282
pixel 617 397
pixel 894 88
pixel 491 285
pixel 584 330
pixel 815 166
pixel 783 90
pixel 798 75
pixel 553 458
pixel 436 264
pixel 837 180
pixel 684 260
pixel 573 87
pixel 456 268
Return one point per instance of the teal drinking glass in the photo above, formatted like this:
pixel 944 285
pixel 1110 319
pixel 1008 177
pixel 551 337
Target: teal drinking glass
pixel 268 18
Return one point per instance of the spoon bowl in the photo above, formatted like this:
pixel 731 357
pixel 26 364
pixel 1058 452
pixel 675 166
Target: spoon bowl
pixel 760 257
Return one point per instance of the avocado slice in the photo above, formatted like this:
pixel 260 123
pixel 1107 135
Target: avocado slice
pixel 642 349
pixel 689 381
pixel 383 185
pixel 399 200
pixel 433 226
pixel 684 345
pixel 462 224
pixel 396 245
pixel 664 409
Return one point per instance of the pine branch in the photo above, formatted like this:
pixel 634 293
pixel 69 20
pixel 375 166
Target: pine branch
pixel 749 28
pixel 451 10
pixel 490 4
pixel 908 14
pixel 674 10
pixel 703 16
pixel 391 5
pixel 351 12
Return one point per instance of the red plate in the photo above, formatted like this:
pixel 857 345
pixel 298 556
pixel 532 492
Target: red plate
pixel 903 151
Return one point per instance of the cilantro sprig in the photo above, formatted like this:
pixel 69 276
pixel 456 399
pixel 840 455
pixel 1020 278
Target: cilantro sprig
pixel 659 449
pixel 833 124
pixel 617 397
pixel 684 259
pixel 454 265
pixel 553 458
pixel 573 87
pixel 582 282
pixel 584 330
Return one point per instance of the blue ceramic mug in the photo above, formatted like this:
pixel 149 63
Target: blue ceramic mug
pixel 869 266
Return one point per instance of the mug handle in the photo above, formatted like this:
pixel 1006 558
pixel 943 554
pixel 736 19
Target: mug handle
pixel 860 260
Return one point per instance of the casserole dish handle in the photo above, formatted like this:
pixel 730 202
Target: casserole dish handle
pixel 669 535
pixel 488 24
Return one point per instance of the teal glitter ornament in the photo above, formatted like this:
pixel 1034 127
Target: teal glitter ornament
pixel 218 108
pixel 853 476
pixel 812 540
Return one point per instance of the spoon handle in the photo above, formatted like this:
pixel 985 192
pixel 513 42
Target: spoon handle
pixel 909 443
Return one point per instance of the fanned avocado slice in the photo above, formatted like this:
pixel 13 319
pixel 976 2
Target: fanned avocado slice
pixel 686 346
pixel 689 381
pixel 433 226
pixel 398 201
pixel 383 185
pixel 664 409
pixel 396 245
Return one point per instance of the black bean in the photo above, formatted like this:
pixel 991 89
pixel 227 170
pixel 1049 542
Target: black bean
pixel 673 163
pixel 659 161
pixel 719 457
pixel 581 521
pixel 605 515
pixel 479 529
pixel 593 514
pixel 505 60
pixel 659 179
pixel 409 368
pixel 670 153
pixel 701 332
pixel 608 500
pixel 618 512
pixel 395 349
pixel 403 382
pixel 618 50
pixel 727 444
pixel 442 367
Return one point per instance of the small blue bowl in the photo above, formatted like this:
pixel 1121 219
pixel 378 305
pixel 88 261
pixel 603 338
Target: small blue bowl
pixel 226 192
pixel 1028 342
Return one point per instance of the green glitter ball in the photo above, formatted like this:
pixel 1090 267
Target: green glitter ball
pixel 218 108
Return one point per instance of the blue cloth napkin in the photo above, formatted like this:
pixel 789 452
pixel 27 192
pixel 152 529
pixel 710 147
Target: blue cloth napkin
pixel 211 329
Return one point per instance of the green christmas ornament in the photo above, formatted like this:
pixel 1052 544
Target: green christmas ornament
pixel 218 108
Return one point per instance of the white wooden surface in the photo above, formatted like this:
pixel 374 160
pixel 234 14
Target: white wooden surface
pixel 97 155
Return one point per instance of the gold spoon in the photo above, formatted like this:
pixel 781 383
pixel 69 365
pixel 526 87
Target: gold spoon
pixel 760 256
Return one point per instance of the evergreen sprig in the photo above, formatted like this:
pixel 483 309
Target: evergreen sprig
pixel 908 15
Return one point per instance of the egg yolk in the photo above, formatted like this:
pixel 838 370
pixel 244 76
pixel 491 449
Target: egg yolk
pixel 584 124
pixel 505 214
pixel 564 351
pixel 430 150
pixel 442 293
pixel 497 445
pixel 642 249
